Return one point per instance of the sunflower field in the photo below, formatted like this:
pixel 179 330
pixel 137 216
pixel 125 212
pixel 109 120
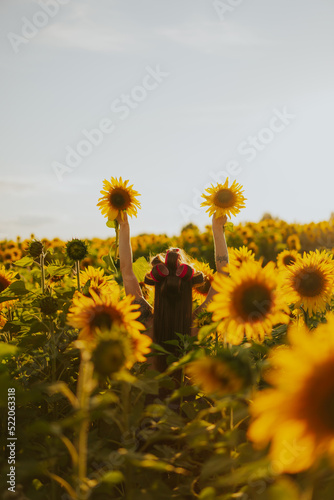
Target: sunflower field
pixel 245 409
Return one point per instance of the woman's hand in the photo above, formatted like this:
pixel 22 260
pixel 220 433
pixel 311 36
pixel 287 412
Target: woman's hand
pixel 218 222
pixel 123 221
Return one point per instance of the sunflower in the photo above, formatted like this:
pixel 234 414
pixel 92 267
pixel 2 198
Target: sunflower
pixel 220 375
pixel 287 258
pixel 248 303
pixel 112 351
pixel 293 242
pixel 95 279
pixel 76 249
pixel 237 256
pixel 297 413
pixel 90 314
pixel 3 321
pixel 200 292
pixel 6 279
pixel 140 345
pixel 118 197
pixel 222 199
pixel 309 282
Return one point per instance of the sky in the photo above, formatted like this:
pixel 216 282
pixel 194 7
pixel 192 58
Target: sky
pixel 172 95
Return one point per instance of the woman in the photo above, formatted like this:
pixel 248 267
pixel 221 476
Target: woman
pixel 173 280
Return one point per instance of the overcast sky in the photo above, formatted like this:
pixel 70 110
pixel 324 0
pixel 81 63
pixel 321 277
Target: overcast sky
pixel 183 93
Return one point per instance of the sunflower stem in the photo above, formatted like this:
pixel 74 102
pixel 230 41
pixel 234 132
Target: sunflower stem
pixel 85 385
pixel 77 269
pixel 117 240
pixel 42 272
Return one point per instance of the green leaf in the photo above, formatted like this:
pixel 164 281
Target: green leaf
pixel 285 489
pixel 186 390
pixel 112 223
pixel 207 493
pixel 113 477
pixel 85 289
pixel 7 350
pixel 18 287
pixel 57 270
pixel 37 327
pixel 110 263
pixel 5 298
pixel 207 330
pixel 140 268
pixel 159 348
pixel 172 342
pixel 229 227
pixel 24 262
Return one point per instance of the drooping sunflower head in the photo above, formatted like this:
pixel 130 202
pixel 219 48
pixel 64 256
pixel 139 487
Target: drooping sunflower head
pixel 48 305
pixel 76 249
pixel 221 374
pixel 297 414
pixel 310 282
pixel 248 302
pixel 94 313
pixel 112 351
pixel 224 200
pixel 117 198
pixel 35 248
pixel 287 258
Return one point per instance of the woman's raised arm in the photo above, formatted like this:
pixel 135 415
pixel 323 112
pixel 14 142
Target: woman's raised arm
pixel 221 254
pixel 130 281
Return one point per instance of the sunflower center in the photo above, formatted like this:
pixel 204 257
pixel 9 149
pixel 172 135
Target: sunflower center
pixel 252 302
pixel 120 199
pixel 104 319
pixel 288 260
pixel 309 283
pixel 3 284
pixel 317 401
pixel 224 198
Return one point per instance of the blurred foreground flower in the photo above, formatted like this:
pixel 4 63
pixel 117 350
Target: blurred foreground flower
pixel 297 414
pixel 111 352
pixel 222 374
pixel 248 303
pixel 224 200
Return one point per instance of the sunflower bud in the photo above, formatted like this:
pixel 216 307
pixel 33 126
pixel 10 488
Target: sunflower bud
pixel 76 249
pixel 48 305
pixel 35 248
pixel 109 356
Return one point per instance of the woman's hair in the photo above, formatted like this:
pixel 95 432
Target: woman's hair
pixel 173 280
